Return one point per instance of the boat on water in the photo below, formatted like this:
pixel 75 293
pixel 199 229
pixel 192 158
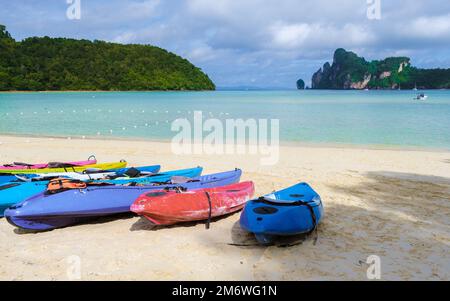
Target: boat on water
pixel 421 96
pixel 291 211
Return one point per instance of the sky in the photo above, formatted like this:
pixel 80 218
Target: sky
pixel 249 43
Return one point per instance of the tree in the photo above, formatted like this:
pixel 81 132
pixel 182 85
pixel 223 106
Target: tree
pixel 67 64
pixel 300 84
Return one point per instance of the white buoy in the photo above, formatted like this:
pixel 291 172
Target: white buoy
pixel 83 137
pixel 98 133
pixel 155 111
pixel 124 128
pixel 135 126
pixel 110 131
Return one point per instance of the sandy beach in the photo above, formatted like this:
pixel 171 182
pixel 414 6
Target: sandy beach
pixel 391 203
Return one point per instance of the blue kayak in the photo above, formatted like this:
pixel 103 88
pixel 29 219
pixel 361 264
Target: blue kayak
pixel 49 211
pixel 291 211
pixel 16 192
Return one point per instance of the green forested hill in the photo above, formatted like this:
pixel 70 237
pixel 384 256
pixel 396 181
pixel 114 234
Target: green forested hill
pixel 349 71
pixel 37 64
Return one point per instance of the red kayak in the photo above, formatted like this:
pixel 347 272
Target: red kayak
pixel 164 207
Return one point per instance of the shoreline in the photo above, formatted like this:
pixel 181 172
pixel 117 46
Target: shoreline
pixel 333 145
pixel 216 90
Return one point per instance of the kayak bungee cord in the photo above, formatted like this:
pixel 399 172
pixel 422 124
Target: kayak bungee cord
pixel 210 210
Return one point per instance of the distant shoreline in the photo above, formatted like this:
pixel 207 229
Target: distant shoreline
pixel 102 91
pixel 217 90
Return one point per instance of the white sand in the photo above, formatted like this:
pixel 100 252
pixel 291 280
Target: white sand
pixel 390 203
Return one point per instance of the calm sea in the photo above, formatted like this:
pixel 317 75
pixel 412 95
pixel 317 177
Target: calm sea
pixel 375 118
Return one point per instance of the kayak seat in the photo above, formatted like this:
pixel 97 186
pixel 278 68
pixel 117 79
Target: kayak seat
pixel 297 195
pixel 265 210
pixel 132 172
pixel 155 194
pixel 59 165
pixel 22 164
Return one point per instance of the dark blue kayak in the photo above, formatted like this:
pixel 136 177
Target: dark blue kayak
pixel 44 212
pixel 291 211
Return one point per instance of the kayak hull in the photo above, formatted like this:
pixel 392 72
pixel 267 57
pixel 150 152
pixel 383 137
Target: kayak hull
pixel 167 208
pixel 283 216
pixel 44 212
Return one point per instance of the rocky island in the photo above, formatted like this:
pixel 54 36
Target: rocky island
pixel 59 64
pixel 349 71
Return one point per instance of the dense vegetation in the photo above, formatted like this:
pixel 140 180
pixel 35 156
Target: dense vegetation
pixel 300 84
pixel 37 64
pixel 350 71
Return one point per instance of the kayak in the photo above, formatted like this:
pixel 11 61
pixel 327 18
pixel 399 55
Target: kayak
pixel 95 174
pixel 16 192
pixel 294 210
pixel 103 166
pixel 86 175
pixel 170 207
pixel 45 212
pixel 17 165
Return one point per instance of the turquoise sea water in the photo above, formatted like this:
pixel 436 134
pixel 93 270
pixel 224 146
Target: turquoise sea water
pixel 383 118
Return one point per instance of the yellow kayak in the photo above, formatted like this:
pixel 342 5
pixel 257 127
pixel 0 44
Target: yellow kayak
pixel 103 166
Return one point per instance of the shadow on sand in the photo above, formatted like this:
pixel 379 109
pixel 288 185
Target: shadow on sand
pixel 144 224
pixel 403 194
pixel 243 239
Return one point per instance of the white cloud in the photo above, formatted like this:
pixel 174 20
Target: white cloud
pixel 202 54
pixel 435 27
pixel 238 41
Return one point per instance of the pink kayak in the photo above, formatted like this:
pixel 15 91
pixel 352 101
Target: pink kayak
pixel 18 165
